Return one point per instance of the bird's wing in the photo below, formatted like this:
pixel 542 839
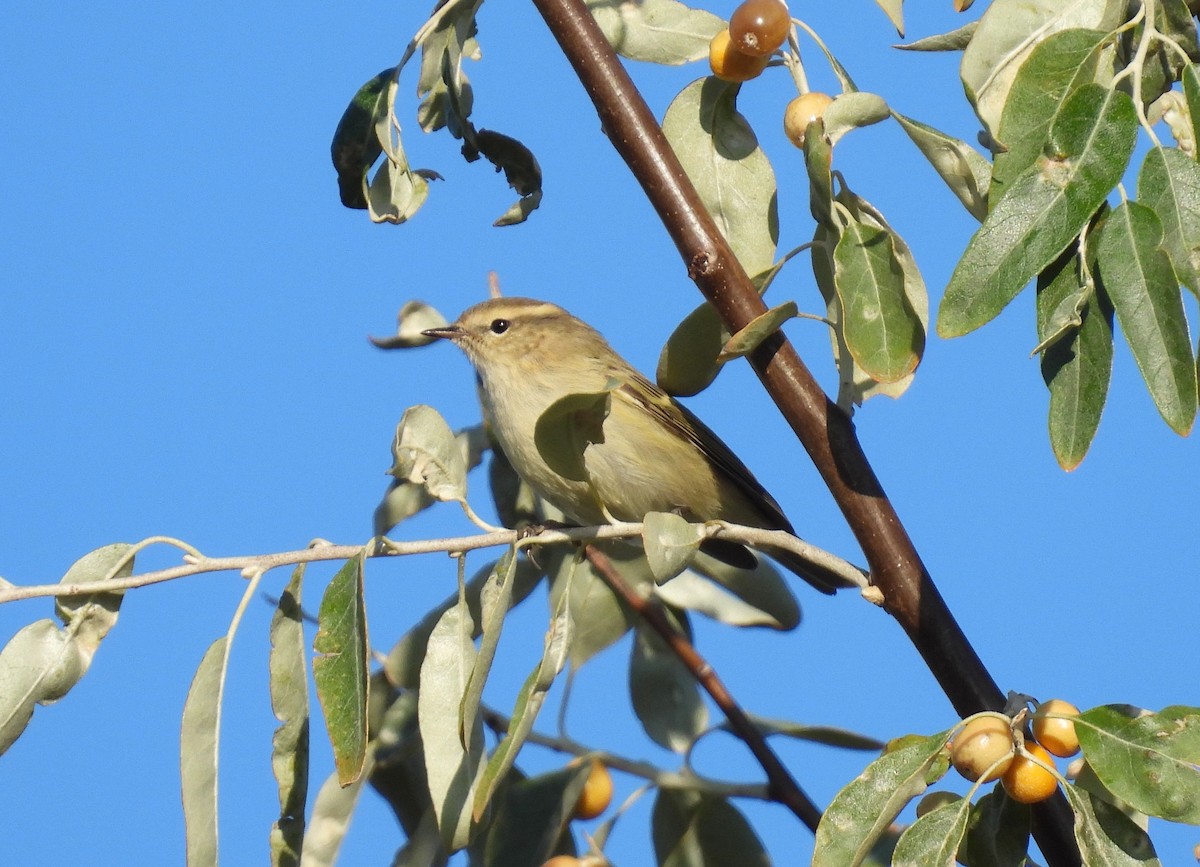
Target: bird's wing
pixel 684 423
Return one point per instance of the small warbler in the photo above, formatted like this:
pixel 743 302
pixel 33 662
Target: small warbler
pixel 654 454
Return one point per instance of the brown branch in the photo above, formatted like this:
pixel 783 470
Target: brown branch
pixel 781 786
pixel 826 433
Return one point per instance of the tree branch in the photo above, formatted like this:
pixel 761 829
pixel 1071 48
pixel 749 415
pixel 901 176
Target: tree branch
pixel 781 786
pixel 826 433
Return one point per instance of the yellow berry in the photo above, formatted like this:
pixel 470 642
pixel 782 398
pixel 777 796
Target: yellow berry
pixel 802 111
pixel 1027 782
pixel 983 742
pixel 729 64
pixel 1056 734
pixel 596 794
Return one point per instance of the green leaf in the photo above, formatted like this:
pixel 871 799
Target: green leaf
pixel 198 750
pixel 998 831
pixel 403 665
pixel 355 146
pixel 665 696
pixel 567 427
pixel 966 172
pixel 1169 184
pixel 1106 836
pixel 41 663
pixel 396 192
pixel 692 830
pixel 528 704
pixel 656 31
pixel 452 767
pixel 828 735
pixel 1077 364
pixel 1044 209
pixel 289 701
pixel 861 812
pixel 733 176
pixel 1150 762
pixel 1057 66
pixel 1007 34
pixel 1138 276
pixel 495 599
pixel 882 332
pixel 599 615
pixel 934 838
pixel 688 362
pixel 532 822
pixel 340 668
pixel 756 331
pixel 671 543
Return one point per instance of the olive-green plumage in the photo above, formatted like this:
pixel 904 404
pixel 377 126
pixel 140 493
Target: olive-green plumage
pixel 656 456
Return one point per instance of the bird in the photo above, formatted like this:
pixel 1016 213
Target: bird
pixel 652 454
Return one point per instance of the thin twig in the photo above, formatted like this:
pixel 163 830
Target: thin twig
pixel 781 785
pixel 198 564
pixel 660 777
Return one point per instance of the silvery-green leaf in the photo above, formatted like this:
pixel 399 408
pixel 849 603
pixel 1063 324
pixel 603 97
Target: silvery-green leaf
pixel 567 427
pixel 733 176
pixel 955 40
pixel 331 813
pixel 1009 31
pixel 935 837
pixel 671 543
pixel 665 695
pixel 966 171
pixel 414 318
pixel 894 9
pixel 688 362
pixel 599 616
pixel 453 768
pixel 495 599
pixel 757 330
pixel 289 701
pixel 41 663
pixel 656 31
pixel 404 499
pixel 767 598
pixel 427 453
pixel 198 744
pixel 852 110
pixel 532 822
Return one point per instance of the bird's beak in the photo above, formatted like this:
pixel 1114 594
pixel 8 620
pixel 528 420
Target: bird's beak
pixel 447 331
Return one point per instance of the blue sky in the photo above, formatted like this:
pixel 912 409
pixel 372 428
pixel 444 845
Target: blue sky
pixel 183 322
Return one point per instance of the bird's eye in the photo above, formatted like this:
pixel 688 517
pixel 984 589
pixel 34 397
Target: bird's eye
pixel 499 326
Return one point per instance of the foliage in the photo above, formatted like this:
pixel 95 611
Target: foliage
pixel 1064 92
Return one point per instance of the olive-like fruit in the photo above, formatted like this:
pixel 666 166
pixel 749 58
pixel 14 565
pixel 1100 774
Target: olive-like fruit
pixel 729 64
pixel 597 792
pixel 983 742
pixel 759 27
pixel 934 800
pixel 1028 782
pixel 1053 732
pixel 802 111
